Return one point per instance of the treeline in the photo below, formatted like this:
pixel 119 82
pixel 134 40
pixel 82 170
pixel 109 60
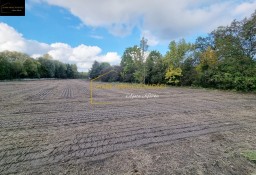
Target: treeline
pixel 225 59
pixel 16 65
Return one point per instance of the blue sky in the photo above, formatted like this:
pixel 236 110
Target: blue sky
pixel 83 31
pixel 50 24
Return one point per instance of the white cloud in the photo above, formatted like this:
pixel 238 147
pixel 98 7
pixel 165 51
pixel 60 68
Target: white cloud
pixel 165 19
pixel 112 57
pixel 83 52
pixel 82 55
pixel 152 40
pixel 10 38
pixel 245 9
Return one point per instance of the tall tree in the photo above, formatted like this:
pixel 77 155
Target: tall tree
pixel 113 74
pixel 95 70
pixel 131 60
pixel 249 36
pixel 189 73
pixel 98 69
pixel 47 66
pixel 174 58
pixel 155 70
pixel 177 52
pixel 17 69
pixel 208 59
pixel 32 67
pixel 144 48
pixel 74 71
pixel 5 68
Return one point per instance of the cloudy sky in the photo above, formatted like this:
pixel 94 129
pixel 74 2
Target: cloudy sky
pixel 82 31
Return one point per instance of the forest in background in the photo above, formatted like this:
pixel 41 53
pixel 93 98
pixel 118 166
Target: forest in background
pixel 224 59
pixel 16 65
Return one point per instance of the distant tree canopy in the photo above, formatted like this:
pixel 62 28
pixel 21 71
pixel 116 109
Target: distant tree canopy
pixel 104 72
pixel 225 59
pixel 16 65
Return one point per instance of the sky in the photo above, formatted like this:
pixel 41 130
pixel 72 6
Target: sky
pixel 82 31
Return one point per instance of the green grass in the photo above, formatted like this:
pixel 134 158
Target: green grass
pixel 250 155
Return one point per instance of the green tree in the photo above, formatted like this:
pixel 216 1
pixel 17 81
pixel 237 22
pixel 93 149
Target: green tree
pixel 104 66
pixel 69 71
pixel 20 65
pixel 5 68
pixel 31 67
pixel 95 70
pixel 208 60
pixel 138 56
pixel 74 71
pixel 228 62
pixel 98 69
pixel 248 34
pixel 173 75
pixel 155 70
pixel 17 69
pixel 47 66
pixel 130 58
pixel 113 74
pixel 189 73
pixel 14 56
pixel 143 48
pixel 57 67
pixel 177 52
pixel 15 64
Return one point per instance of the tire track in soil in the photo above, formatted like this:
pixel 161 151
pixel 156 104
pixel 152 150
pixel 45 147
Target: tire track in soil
pixel 41 95
pixel 23 92
pixel 120 129
pixel 67 93
pixel 105 130
pixel 76 119
pixel 102 146
pixel 42 122
pixel 103 114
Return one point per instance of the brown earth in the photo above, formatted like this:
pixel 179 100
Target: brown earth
pixel 50 127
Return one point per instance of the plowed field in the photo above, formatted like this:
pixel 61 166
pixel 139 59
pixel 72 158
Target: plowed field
pixel 50 127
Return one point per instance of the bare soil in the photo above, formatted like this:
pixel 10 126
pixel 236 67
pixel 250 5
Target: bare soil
pixel 50 127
